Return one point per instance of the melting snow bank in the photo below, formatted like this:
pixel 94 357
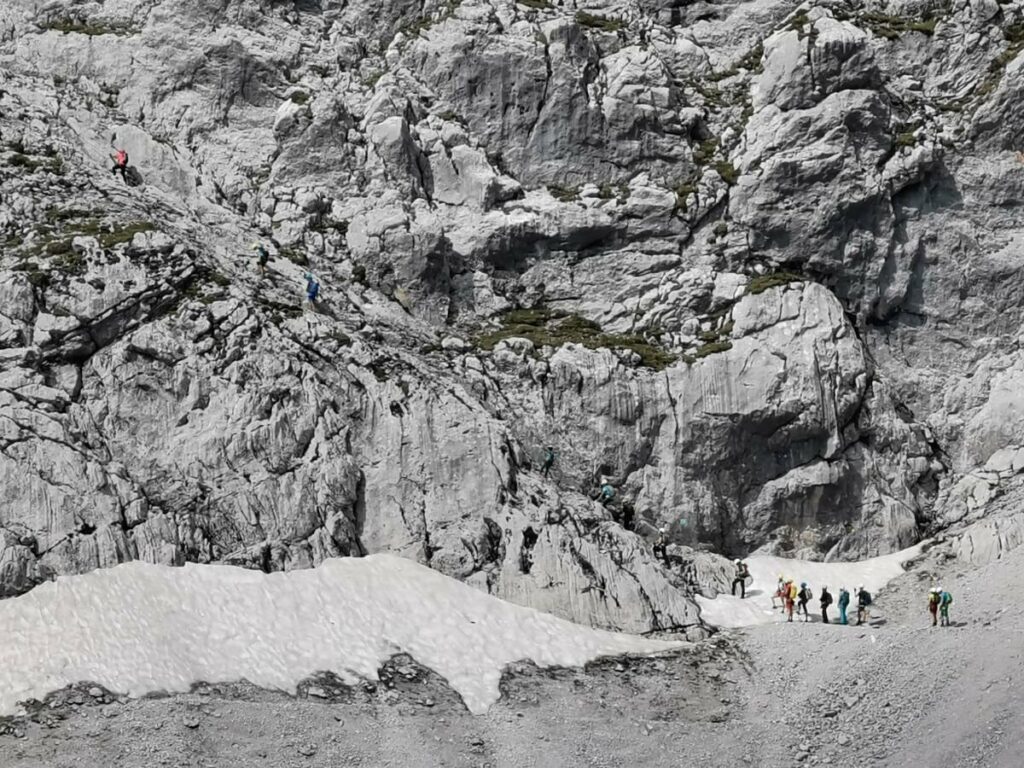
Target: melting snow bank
pixel 725 611
pixel 139 628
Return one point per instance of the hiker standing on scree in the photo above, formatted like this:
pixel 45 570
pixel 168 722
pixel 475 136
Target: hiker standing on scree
pixel 826 601
pixel 804 597
pixel 742 573
pixel 863 602
pixel 843 604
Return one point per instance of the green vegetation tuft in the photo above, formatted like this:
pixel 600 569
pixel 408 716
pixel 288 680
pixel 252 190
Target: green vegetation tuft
pixel 762 283
pixel 711 348
pixel 121 235
pixel 603 23
pixel 683 191
pixel 539 5
pixel 545 327
pixel 52 163
pixel 295 255
pixel 799 21
pixel 90 28
pixel 565 194
pixel 299 97
pixel 906 139
pixel 727 171
pixel 705 151
pixel 371 79
pixel 892 27
pixel 37 277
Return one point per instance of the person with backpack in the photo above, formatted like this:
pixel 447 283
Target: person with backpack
pixel 607 494
pixel 789 593
pixel 863 602
pixel 804 597
pixel 777 595
pixel 120 159
pixel 262 257
pixel 945 600
pixel 826 601
pixel 934 598
pixel 660 547
pixel 549 460
pixel 312 289
pixel 742 572
pixel 843 604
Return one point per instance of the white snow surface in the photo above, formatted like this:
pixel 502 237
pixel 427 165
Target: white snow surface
pixel 726 611
pixel 139 628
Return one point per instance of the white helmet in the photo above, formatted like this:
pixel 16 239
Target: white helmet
pixel 738 561
pixel 663 529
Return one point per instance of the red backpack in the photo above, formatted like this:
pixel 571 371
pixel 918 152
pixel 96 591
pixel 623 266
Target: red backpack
pixel 122 157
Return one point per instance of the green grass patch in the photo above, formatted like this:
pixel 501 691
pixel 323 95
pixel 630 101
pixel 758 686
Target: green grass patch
pixel 905 139
pixel 295 255
pixel 371 79
pixel 90 28
pixel 545 327
pixel 603 23
pixel 123 234
pixel 299 97
pixel 711 348
pixel 705 151
pixel 727 171
pixel 683 192
pixel 892 27
pixel 53 163
pixel 36 276
pixel 762 283
pixel 538 5
pixel 565 194
pixel 206 285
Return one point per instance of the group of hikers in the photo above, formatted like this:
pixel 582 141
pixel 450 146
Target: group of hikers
pixel 790 599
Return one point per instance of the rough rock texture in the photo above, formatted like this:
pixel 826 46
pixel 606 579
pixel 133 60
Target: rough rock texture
pixel 756 264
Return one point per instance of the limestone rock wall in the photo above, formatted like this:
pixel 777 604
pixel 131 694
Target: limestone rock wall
pixel 756 264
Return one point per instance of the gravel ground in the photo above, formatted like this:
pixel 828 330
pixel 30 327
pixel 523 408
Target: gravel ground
pixel 895 693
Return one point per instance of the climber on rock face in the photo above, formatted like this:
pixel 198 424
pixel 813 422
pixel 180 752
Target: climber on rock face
pixel 120 159
pixel 742 572
pixel 549 460
pixel 661 544
pixel 607 493
pixel 312 289
pixel 262 257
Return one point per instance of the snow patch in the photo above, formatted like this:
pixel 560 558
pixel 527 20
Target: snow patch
pixel 139 628
pixel 726 611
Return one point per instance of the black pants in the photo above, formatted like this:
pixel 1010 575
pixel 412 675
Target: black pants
pixel 743 586
pixel 119 168
pixel 824 615
pixel 547 467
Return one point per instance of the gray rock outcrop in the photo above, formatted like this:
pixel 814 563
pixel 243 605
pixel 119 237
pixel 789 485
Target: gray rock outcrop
pixel 756 265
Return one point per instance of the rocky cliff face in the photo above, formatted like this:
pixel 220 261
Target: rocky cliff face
pixel 755 263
